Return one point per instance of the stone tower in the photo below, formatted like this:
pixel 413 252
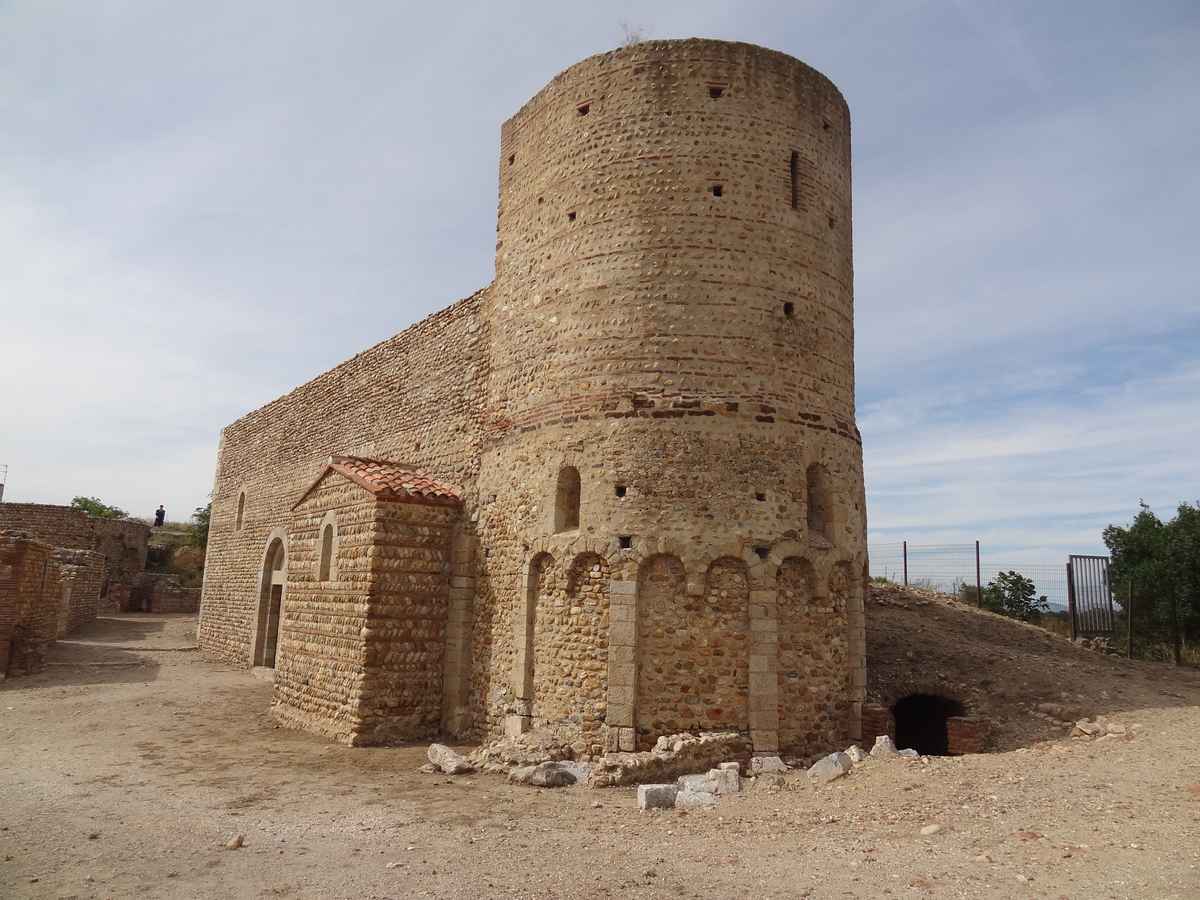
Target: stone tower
pixel 670 496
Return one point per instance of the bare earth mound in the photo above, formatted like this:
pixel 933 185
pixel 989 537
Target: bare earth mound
pixel 1029 684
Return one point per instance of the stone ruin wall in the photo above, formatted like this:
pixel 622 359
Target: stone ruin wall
pixel 82 574
pixel 122 542
pixel 691 355
pixel 161 592
pixel 414 397
pixel 672 316
pixel 59 526
pixel 30 602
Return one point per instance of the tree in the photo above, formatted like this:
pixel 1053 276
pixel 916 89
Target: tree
pixel 98 509
pixel 1161 560
pixel 200 525
pixel 1012 594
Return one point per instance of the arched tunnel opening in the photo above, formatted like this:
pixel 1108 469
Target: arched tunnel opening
pixel 921 722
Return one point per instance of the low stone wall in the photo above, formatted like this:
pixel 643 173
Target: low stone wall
pixel 161 593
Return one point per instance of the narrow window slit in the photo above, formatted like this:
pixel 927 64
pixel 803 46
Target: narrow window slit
pixel 717 190
pixel 620 490
pixel 789 309
pixel 625 541
pixel 584 108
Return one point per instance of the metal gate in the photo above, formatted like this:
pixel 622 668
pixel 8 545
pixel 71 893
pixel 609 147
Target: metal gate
pixel 1089 597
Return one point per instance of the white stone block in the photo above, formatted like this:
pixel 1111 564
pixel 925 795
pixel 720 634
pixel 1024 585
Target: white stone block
pixel 656 796
pixel 835 765
pixel 725 781
pixel 761 764
pixel 884 746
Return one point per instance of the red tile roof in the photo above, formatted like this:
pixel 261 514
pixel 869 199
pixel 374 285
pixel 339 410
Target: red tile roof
pixel 391 481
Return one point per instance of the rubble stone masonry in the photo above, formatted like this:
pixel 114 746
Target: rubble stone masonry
pixel 649 415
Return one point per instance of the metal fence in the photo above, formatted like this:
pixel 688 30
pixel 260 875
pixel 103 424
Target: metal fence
pixel 948 567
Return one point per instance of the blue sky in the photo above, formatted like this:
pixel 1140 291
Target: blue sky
pixel 202 206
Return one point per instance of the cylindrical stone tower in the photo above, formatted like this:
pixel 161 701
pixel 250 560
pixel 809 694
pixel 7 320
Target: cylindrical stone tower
pixel 672 508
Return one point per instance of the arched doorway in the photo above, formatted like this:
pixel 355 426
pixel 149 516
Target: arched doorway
pixel 922 722
pixel 270 603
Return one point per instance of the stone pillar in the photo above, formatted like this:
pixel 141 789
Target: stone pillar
pixel 456 675
pixel 521 719
pixel 764 670
pixel 622 665
pixel 856 652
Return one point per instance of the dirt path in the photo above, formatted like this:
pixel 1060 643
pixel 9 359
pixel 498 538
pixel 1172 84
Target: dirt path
pixel 126 767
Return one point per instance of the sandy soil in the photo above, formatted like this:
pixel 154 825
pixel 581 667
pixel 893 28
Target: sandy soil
pixel 126 767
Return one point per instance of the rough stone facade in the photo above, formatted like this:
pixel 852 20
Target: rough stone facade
pixel 649 416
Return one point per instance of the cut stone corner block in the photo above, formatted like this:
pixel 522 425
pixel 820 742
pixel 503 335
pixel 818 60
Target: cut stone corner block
pixel 657 796
pixel 765 740
pixel 515 726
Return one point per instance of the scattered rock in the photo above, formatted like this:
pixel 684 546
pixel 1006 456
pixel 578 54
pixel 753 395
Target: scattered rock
pixel 908 753
pixel 833 766
pixel 236 842
pixel 759 764
pixel 884 746
pixel 856 753
pixel 657 796
pixel 429 769
pixel 549 774
pixel 448 761
pixel 930 830
pixel 672 756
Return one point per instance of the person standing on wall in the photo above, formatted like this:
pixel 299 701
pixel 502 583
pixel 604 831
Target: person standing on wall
pixel 160 516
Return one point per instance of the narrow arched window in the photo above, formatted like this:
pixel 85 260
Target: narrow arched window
pixel 566 500
pixel 241 511
pixel 820 502
pixel 326 551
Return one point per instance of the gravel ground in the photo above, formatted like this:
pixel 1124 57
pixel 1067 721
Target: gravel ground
pixel 128 765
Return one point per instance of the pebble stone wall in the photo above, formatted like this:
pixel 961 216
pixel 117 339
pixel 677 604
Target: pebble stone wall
pixel 672 317
pixel 360 654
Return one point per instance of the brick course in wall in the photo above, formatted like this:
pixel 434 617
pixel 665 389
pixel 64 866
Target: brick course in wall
pixel 671 322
